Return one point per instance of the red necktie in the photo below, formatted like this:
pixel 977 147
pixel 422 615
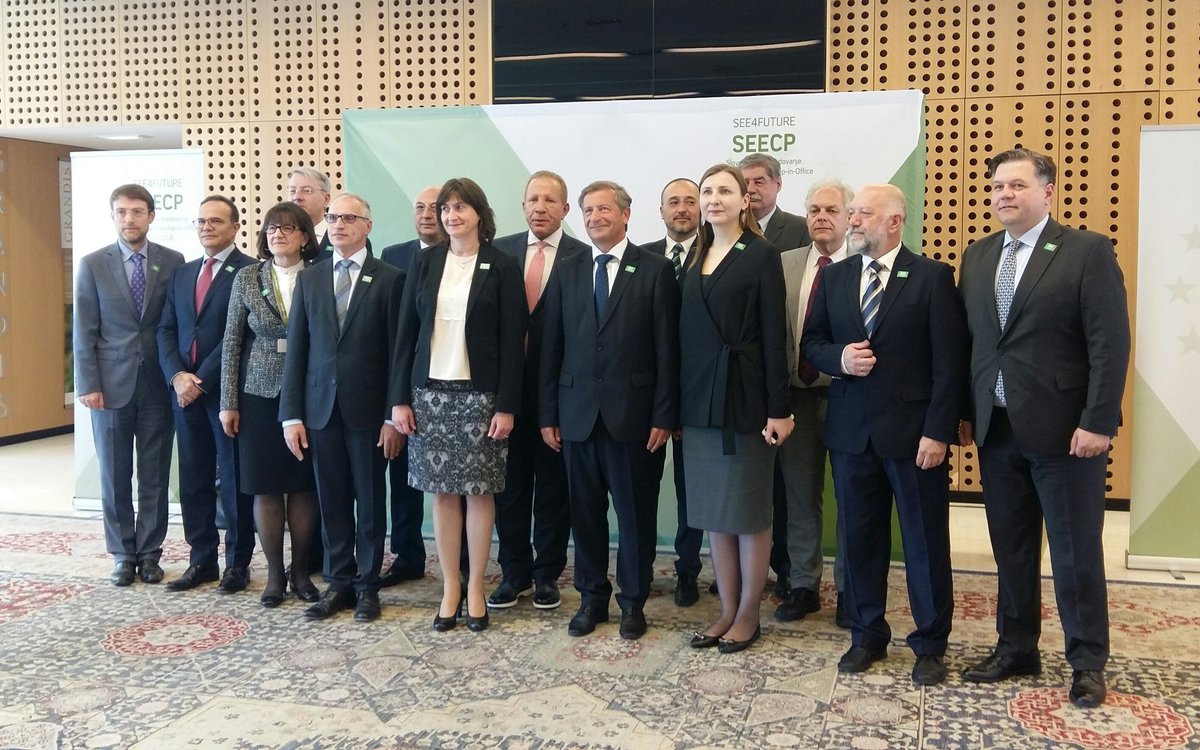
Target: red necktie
pixel 202 285
pixel 809 374
pixel 533 275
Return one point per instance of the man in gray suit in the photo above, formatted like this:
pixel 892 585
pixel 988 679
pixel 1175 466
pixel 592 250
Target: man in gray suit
pixel 765 179
pixel 119 295
pixel 801 459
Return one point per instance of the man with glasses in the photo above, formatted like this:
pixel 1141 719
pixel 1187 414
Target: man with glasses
pixel 334 401
pixel 119 295
pixel 189 348
pixel 309 189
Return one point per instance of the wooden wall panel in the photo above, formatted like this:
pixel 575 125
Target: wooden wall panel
pixel 214 70
pixel 1110 46
pixel 90 59
pixel 33 47
pixel 1179 54
pixel 151 61
pixel 1180 108
pixel 851 62
pixel 1013 48
pixel 919 44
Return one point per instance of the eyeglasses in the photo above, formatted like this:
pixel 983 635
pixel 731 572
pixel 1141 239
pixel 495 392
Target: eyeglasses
pixel 136 213
pixel 294 191
pixel 215 223
pixel 284 229
pixel 347 219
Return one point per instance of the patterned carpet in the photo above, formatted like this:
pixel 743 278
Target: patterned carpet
pixel 86 665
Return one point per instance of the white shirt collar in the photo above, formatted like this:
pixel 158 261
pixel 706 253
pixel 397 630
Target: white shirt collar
pixel 1030 238
pixel 887 260
pixel 359 257
pixel 617 251
pixel 554 240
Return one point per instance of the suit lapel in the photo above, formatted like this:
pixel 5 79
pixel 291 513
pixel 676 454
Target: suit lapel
pixel 483 267
pixel 224 276
pixel 115 263
pixel 266 289
pixel 361 289
pixel 628 266
pixel 1039 261
pixel 793 279
pixel 990 254
pixel 897 277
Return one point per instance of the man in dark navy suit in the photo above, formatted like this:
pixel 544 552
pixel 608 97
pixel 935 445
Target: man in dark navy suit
pixel 535 492
pixel 889 326
pixel 1050 347
pixel 679 207
pixel 310 189
pixel 189 349
pixel 406 504
pixel 609 381
pixel 341 331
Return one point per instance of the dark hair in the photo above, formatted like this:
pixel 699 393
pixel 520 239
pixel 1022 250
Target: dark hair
pixel 769 163
pixel 469 192
pixel 133 192
pixel 1043 166
pixel 288 213
pixel 746 220
pixel 234 216
pixel 672 182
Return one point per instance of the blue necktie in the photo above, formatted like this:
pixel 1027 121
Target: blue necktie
pixel 602 284
pixel 870 299
pixel 137 283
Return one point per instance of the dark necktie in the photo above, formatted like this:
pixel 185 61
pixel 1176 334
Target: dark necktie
pixel 341 291
pixel 202 285
pixel 677 259
pixel 137 282
pixel 1006 288
pixel 602 284
pixel 809 374
pixel 870 299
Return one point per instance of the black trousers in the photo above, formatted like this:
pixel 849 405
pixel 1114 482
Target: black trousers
pixel 687 539
pixel 1020 491
pixel 407 506
pixel 597 467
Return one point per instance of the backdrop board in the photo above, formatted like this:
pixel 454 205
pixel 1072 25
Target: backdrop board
pixel 1163 512
pixel 859 138
pixel 176 180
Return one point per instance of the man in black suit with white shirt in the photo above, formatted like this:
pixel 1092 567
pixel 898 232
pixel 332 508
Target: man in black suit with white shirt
pixel 679 206
pixel 609 381
pixel 764 177
pixel 341 332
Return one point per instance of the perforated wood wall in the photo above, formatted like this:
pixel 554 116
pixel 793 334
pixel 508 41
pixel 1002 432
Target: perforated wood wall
pixel 1073 78
pixel 259 85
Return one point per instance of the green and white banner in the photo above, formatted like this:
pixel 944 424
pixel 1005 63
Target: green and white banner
pixel 859 138
pixel 1164 512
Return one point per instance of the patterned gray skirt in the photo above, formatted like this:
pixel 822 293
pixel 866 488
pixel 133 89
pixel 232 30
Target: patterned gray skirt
pixel 451 452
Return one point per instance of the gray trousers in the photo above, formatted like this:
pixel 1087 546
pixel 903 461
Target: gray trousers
pixel 802 464
pixel 143 427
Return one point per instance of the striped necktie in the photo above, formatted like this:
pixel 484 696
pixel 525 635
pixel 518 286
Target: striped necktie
pixel 870 299
pixel 1006 289
pixel 341 291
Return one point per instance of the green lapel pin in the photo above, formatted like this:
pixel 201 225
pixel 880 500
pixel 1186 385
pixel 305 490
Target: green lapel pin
pixel 629 269
pixel 902 274
pixel 367 279
pixel 739 246
pixel 229 269
pixel 1050 246
pixel 484 266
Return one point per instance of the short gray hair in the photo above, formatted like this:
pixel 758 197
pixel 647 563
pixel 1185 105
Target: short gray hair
pixel 620 194
pixel 366 206
pixel 769 163
pixel 838 185
pixel 313 174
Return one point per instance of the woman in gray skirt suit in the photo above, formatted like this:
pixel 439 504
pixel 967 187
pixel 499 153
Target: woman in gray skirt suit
pixel 733 399
pixel 459 359
pixel 251 375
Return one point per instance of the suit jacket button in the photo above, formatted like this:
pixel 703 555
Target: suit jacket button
pixel 599 348
pixel 600 380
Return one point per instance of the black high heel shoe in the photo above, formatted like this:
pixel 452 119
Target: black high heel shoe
pixel 477 624
pixel 302 587
pixel 442 624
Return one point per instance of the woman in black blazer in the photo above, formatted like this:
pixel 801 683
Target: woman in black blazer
pixel 459 360
pixel 733 399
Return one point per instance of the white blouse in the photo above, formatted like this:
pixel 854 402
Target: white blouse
pixel 448 350
pixel 285 278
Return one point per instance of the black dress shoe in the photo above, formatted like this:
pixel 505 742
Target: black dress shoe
pixel 859 658
pixel 442 624
pixel 478 624
pixel 782 588
pixel 633 623
pixel 998 666
pixel 798 603
pixel 193 577
pixel 840 618
pixel 302 586
pixel 270 600
pixel 727 646
pixel 331 602
pixel 546 596
pixel 235 579
pixel 701 640
pixel 123 573
pixel 368 608
pixel 396 574
pixel 1087 688
pixel 585 620
pixel 507 594
pixel 686 591
pixel 149 571
pixel 929 670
